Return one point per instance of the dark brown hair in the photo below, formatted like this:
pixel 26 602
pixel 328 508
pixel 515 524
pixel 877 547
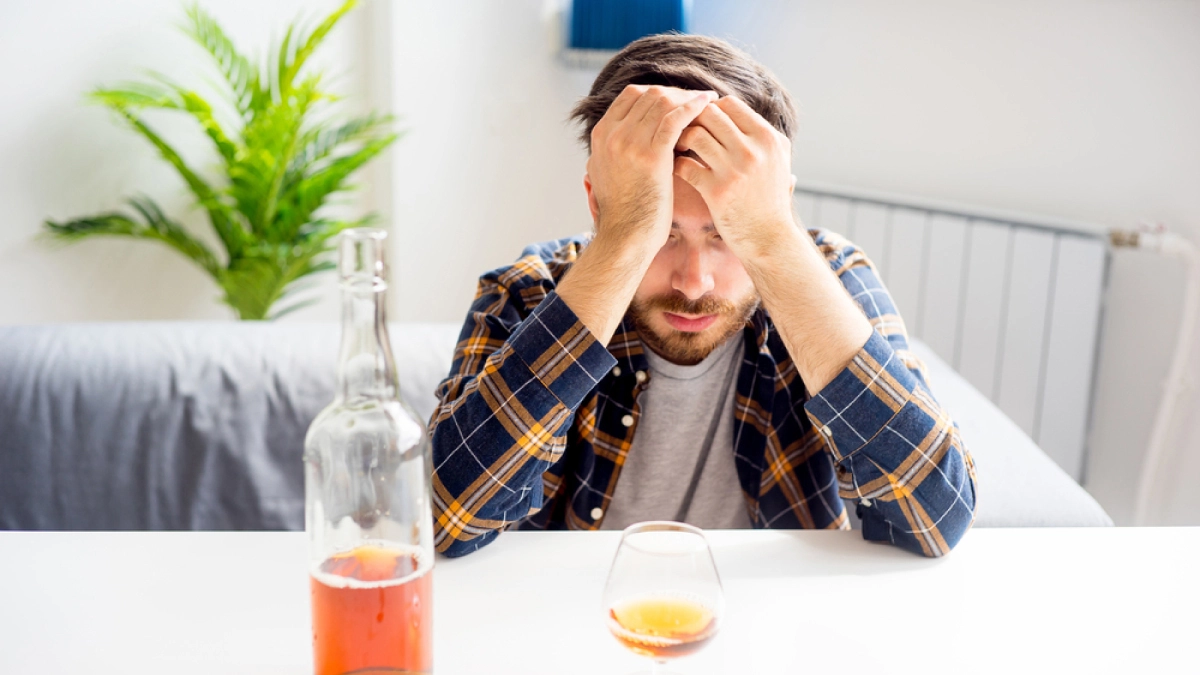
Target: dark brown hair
pixel 689 62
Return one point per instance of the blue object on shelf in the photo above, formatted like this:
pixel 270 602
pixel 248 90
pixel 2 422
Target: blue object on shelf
pixel 612 24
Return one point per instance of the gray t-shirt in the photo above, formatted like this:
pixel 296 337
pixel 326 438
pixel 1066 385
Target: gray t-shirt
pixel 675 425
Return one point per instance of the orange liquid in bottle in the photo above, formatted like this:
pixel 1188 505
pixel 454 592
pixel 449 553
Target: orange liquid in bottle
pixel 662 627
pixel 372 610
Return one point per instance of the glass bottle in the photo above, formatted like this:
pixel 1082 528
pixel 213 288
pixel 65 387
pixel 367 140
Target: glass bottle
pixel 367 493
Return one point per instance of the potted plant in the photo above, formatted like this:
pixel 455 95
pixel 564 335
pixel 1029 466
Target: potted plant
pixel 282 158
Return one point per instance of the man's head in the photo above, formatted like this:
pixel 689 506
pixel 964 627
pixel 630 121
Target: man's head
pixel 694 62
pixel 696 293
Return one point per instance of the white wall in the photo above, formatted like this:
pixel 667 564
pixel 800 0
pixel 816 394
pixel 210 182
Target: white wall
pixel 1072 108
pixel 490 163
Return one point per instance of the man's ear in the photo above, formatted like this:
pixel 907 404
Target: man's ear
pixel 592 205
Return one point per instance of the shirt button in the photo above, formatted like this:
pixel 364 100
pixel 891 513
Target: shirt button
pixel 640 376
pixel 627 420
pixel 597 513
pixel 616 371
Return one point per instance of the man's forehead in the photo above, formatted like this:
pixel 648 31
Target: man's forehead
pixel 706 229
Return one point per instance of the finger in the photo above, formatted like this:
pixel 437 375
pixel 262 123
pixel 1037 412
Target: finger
pixel 694 173
pixel 718 123
pixel 652 96
pixel 624 101
pixel 666 100
pixel 693 155
pixel 674 122
pixel 746 119
pixel 700 141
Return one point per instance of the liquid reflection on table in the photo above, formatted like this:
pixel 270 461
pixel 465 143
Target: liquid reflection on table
pixel 1049 600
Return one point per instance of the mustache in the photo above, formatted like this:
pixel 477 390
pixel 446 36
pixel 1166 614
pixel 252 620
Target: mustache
pixel 679 304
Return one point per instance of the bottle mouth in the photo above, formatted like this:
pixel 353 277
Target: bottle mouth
pixel 362 259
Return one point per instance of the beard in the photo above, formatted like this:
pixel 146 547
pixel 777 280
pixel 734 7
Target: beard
pixel 683 347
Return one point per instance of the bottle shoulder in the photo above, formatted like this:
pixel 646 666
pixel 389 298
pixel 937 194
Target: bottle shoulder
pixel 346 425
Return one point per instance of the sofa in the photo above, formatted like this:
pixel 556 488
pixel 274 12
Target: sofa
pixel 200 426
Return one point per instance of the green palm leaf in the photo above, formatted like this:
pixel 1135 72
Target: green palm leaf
pixel 312 191
pixel 156 227
pixel 319 143
pixel 230 232
pixel 239 73
pixel 291 63
pixel 170 96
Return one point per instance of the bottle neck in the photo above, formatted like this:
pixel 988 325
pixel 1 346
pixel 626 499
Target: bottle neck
pixel 366 369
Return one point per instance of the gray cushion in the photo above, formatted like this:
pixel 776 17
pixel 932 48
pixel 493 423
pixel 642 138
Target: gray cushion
pixel 201 426
pixel 1018 484
pixel 175 425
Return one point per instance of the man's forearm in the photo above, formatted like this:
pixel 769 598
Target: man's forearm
pixel 602 282
pixel 488 472
pixel 821 325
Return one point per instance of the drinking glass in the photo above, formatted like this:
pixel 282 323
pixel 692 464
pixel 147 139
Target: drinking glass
pixel 663 598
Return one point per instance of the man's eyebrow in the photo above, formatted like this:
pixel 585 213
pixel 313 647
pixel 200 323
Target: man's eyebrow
pixel 707 229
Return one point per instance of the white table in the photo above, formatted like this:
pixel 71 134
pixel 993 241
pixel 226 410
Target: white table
pixel 1047 600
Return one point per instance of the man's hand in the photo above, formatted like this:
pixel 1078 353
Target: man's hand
pixel 632 161
pixel 744 175
pixel 632 188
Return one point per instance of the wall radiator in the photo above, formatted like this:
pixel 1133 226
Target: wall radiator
pixel 1013 303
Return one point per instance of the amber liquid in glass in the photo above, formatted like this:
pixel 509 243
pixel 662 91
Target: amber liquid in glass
pixel 373 609
pixel 662 627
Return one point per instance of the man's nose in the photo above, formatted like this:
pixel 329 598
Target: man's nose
pixel 693 274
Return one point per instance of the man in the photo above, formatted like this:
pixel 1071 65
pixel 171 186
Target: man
pixel 730 368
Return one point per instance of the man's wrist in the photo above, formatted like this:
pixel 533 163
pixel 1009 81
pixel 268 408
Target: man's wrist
pixel 776 243
pixel 636 246
pixel 821 325
pixel 602 282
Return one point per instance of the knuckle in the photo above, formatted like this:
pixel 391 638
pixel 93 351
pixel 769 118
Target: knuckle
pixel 664 130
pixel 674 116
pixel 684 170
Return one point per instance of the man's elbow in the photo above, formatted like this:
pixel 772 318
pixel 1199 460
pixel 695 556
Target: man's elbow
pixel 953 533
pixel 931 540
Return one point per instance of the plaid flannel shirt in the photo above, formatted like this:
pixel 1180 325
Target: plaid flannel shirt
pixel 536 419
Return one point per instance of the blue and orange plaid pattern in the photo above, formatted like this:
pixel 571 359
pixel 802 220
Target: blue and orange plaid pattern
pixel 536 418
